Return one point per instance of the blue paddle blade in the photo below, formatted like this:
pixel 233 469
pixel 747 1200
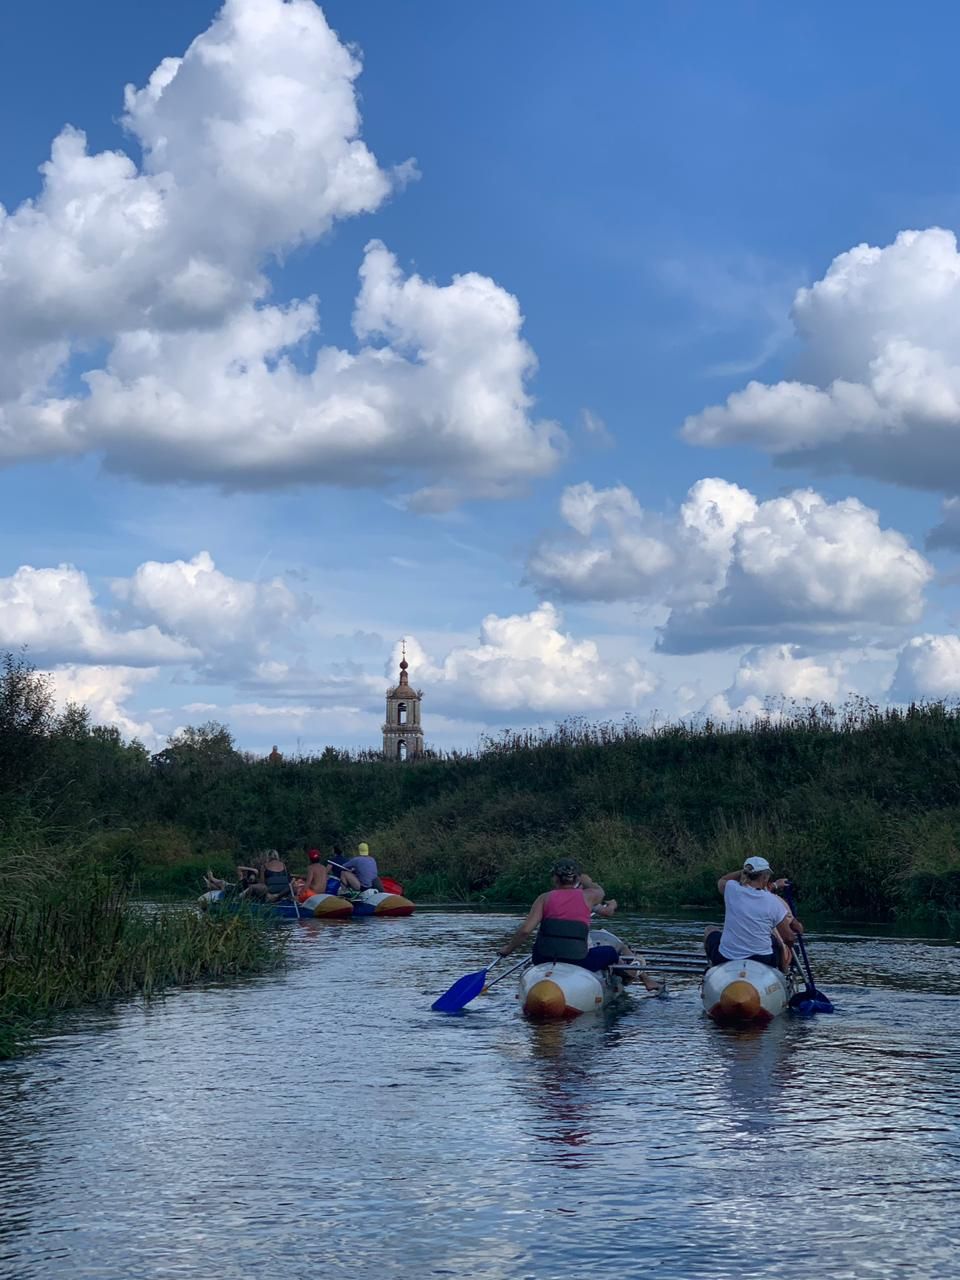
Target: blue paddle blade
pixel 461 993
pixel 807 1003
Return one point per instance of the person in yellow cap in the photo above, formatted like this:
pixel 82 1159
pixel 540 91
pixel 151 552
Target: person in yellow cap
pixel 360 872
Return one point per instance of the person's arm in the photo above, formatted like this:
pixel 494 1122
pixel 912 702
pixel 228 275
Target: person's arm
pixel 775 886
pixel 532 921
pixel 789 929
pixel 593 892
pixel 785 946
pixel 723 881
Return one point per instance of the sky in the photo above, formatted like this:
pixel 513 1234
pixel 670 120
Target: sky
pixel 609 357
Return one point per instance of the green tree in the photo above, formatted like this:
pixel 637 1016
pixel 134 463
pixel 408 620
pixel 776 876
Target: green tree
pixel 26 719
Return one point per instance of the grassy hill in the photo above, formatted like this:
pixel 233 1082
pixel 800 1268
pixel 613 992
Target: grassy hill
pixel 861 808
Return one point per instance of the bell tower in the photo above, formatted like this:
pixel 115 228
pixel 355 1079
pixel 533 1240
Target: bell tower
pixel 402 732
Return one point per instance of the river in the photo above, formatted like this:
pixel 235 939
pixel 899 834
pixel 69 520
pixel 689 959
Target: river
pixel 323 1122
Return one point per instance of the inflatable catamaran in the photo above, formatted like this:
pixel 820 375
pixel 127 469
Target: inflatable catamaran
pixel 557 989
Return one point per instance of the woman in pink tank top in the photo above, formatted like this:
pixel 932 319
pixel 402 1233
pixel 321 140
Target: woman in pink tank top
pixel 561 917
pixel 566 903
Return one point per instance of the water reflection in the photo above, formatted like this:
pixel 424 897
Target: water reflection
pixel 323 1120
pixel 560 1085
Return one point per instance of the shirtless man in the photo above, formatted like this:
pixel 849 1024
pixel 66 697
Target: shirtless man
pixel 315 881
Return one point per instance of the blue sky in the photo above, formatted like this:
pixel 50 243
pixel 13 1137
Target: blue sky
pixel 648 187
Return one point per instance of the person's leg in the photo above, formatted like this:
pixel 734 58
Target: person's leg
pixel 349 880
pixel 780 957
pixel 598 958
pixel 711 944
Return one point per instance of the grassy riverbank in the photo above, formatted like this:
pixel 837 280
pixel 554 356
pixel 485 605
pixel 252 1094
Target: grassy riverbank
pixel 861 806
pixel 862 810
pixel 69 936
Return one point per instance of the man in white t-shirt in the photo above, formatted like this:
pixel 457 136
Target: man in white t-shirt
pixel 757 925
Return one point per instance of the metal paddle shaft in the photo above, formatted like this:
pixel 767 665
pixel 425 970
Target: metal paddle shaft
pixel 655 967
pixel 681 957
pixel 522 964
pixel 816 1000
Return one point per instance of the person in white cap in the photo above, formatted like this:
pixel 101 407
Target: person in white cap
pixel 757 925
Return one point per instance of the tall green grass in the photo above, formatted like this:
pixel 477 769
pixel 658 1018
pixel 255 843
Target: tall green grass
pixel 860 805
pixel 69 936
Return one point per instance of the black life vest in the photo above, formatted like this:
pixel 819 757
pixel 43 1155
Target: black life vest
pixel 566 940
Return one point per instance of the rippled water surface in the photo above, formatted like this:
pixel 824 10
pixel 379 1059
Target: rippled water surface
pixel 324 1122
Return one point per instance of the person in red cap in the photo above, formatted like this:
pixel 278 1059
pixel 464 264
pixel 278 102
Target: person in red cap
pixel 315 881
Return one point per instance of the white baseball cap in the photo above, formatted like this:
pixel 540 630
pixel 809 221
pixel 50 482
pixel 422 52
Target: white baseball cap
pixel 753 865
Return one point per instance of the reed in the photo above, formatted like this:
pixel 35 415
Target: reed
pixel 70 936
pixel 859 804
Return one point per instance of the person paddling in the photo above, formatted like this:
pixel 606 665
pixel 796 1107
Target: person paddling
pixel 315 881
pixel 561 917
pixel 360 872
pixel 757 925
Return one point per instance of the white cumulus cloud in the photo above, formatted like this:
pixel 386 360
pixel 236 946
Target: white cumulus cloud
pixel 188 613
pixel 53 613
pixel 773 674
pixel 928 666
pixel 527 662
pixel 250 146
pixel 207 609
pixel 733 570
pixel 879 391
pixel 444 400
pixel 104 691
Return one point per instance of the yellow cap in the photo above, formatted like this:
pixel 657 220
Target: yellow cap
pixel 363 849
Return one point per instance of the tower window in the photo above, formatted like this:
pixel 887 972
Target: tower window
pixel 402 713
pixel 401 750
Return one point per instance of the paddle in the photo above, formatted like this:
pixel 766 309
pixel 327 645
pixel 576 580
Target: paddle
pixel 521 964
pixel 809 1001
pixel 463 990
